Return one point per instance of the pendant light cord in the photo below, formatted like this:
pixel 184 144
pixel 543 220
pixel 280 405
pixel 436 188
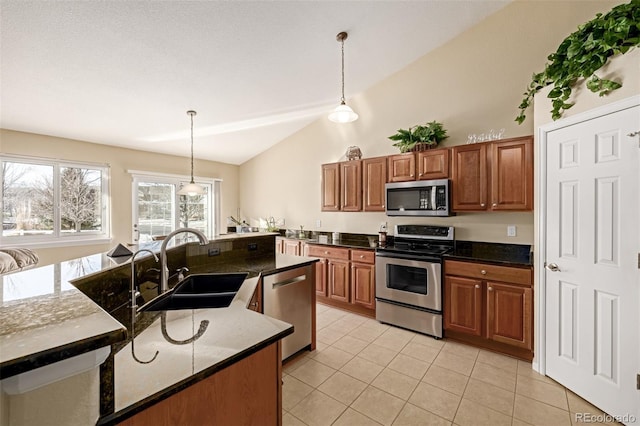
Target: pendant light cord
pixel 342 98
pixel 191 113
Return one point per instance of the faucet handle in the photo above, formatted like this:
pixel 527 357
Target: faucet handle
pixel 181 272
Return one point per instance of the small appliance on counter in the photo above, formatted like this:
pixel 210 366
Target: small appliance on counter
pixel 408 275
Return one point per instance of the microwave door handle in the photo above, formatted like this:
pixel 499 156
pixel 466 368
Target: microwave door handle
pixel 434 206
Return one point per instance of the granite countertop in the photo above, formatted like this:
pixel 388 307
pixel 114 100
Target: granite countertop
pixel 495 253
pixel 45 319
pixel 222 337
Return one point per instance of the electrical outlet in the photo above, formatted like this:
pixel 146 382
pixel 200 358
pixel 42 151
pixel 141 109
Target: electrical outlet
pixel 280 223
pixel 318 223
pixel 511 230
pixel 383 227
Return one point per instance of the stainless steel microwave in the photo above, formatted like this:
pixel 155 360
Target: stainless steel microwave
pixel 418 198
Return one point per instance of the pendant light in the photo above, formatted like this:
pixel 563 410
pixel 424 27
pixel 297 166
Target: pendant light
pixel 342 113
pixel 192 188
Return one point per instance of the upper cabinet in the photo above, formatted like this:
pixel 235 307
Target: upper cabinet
pixel 494 175
pixel 330 187
pixel 433 164
pixel 342 186
pixel 402 167
pixel 351 186
pixel 374 176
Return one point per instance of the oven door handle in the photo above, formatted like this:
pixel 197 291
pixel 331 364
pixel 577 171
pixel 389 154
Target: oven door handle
pixel 421 258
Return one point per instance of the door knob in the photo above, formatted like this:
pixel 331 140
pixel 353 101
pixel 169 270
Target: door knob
pixel 552 267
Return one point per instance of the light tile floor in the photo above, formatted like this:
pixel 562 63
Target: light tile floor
pixel 367 373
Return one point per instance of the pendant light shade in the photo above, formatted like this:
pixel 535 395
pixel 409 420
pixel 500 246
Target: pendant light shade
pixel 343 113
pixel 192 188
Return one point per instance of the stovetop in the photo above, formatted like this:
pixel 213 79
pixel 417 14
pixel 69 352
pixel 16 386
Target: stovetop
pixel 421 240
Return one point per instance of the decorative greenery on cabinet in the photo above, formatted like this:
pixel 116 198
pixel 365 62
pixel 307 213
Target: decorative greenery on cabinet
pixel 428 135
pixel 583 53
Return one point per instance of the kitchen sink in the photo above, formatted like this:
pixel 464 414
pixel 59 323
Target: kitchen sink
pixel 210 283
pixel 199 291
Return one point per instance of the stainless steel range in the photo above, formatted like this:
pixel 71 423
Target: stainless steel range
pixel 409 278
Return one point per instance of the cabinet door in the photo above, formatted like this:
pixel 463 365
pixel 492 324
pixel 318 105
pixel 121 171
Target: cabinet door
pixel 330 187
pixel 509 310
pixel 374 176
pixel 463 305
pixel 363 285
pixel 292 247
pixel 512 174
pixel 469 177
pixel 351 186
pixel 402 167
pixel 321 278
pixel 279 245
pixel 433 164
pixel 338 279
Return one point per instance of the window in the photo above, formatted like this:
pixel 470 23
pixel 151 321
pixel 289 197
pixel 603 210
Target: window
pixel 158 209
pixel 53 202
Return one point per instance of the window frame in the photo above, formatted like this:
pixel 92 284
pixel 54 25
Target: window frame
pixel 59 238
pixel 213 220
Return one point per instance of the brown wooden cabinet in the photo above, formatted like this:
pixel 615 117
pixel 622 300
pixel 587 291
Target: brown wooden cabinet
pixel 330 187
pixel 342 186
pixel 222 399
pixel 433 164
pixel 493 176
pixel 374 177
pixel 401 167
pixel 363 278
pixel 292 247
pixel 512 174
pixel 469 178
pixel 351 186
pixel 490 306
pixel 345 277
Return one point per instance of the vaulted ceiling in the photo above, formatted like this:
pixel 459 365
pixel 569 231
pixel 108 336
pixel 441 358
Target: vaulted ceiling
pixel 124 73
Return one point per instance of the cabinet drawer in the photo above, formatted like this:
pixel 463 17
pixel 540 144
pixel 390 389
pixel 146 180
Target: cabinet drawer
pixel 484 271
pixel 363 256
pixel 328 252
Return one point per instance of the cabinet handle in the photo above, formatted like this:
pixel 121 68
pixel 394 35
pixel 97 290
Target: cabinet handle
pixel 481 204
pixel 483 272
pixel 490 288
pixel 477 285
pixel 253 304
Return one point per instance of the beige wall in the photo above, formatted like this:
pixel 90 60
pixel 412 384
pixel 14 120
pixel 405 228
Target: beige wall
pixel 120 160
pixel 472 84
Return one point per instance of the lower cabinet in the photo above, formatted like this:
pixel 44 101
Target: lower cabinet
pixel 288 246
pixel 222 398
pixel 490 306
pixel 345 277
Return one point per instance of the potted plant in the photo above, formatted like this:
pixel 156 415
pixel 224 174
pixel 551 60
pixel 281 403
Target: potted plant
pixel 419 137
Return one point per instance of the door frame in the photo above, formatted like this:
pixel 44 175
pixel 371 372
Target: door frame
pixel 540 224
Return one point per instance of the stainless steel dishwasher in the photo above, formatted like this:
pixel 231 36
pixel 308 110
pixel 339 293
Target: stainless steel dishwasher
pixel 287 296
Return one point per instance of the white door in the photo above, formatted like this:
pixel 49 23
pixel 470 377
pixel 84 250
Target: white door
pixel 592 235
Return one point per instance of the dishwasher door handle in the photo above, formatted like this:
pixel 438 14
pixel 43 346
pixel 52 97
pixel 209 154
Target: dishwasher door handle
pixel 289 281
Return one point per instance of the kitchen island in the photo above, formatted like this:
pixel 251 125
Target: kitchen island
pixel 232 333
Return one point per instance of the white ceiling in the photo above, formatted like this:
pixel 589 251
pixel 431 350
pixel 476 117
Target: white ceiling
pixel 125 72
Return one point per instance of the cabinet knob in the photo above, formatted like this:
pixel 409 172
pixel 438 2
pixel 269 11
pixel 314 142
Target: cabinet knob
pixel 477 285
pixel 421 174
pixel 361 256
pixel 411 175
pixel 326 252
pixel 490 288
pixel 383 206
pixel 481 204
pixel 253 304
pixel 483 272
pixel 494 205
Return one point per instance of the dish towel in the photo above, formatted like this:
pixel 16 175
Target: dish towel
pixel 16 259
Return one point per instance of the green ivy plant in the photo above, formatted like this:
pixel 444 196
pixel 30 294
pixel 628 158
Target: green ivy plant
pixel 430 134
pixel 583 53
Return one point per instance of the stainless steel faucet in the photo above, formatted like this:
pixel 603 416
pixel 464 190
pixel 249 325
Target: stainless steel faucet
pixel 134 291
pixel 164 270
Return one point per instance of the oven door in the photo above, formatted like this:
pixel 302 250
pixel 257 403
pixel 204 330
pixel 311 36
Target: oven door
pixel 410 280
